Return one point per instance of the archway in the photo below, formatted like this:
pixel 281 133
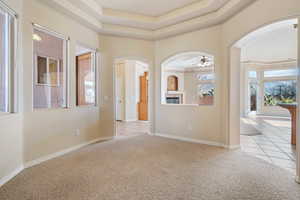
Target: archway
pixel 269 75
pixel 188 78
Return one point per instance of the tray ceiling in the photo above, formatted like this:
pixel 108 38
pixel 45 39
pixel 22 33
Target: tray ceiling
pixel 153 8
pixel 151 20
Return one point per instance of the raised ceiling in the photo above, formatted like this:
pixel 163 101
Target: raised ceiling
pixel 151 19
pixel 185 60
pixel 148 7
pixel 274 43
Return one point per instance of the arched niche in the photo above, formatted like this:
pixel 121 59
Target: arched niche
pixel 172 83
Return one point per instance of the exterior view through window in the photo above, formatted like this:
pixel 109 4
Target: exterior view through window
pixel 7 54
pixel 50 86
pixel 85 76
pixel 188 78
pixel 280 92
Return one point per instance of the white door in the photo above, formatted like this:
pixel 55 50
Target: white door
pixel 120 91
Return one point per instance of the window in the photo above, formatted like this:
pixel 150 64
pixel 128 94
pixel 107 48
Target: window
pixel 50 61
pixel 252 74
pixel 206 92
pixel 280 92
pixel 206 77
pixel 280 73
pixel 47 71
pixel 7 59
pixel 85 76
pixel 188 78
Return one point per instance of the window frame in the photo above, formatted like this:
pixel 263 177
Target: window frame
pixel 47 63
pixel 65 65
pixel 207 82
pixel 260 80
pixel 94 62
pixel 12 54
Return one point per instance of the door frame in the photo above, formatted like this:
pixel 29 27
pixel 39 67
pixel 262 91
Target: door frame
pixel 150 90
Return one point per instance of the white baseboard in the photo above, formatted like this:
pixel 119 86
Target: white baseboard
pixel 190 140
pixel 232 147
pixel 5 179
pixel 63 152
pixel 151 134
pixel 8 177
pixel 131 120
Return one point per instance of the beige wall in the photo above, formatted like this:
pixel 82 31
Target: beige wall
pixel 113 48
pixel 194 122
pixel 50 131
pixel 11 144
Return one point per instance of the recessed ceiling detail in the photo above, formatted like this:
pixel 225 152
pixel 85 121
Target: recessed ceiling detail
pixel 150 20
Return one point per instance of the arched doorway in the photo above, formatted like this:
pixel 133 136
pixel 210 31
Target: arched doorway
pixel 257 78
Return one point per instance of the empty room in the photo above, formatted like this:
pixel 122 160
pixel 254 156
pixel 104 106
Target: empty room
pixel 144 100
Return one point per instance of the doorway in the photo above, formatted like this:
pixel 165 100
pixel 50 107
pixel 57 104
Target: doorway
pixel 131 81
pixel 268 61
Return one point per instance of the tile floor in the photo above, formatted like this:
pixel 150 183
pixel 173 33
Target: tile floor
pixel 271 142
pixel 125 129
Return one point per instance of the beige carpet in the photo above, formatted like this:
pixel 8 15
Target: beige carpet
pixel 152 168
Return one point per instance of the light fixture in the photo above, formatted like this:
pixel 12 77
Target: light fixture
pixel 205 61
pixel 36 37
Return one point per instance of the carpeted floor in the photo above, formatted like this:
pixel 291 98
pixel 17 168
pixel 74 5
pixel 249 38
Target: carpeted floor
pixel 152 168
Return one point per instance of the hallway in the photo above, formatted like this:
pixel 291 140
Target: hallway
pixel 268 138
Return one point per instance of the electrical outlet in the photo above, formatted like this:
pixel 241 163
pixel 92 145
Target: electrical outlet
pixel 77 133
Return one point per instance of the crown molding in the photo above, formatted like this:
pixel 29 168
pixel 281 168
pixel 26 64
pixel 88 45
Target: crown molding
pixel 279 62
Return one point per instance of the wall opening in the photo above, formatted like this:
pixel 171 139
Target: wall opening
pixel 131 97
pixel 263 81
pixel 188 79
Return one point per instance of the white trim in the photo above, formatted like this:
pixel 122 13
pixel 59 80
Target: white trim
pixel 38 161
pixel 190 140
pixel 11 45
pixel 232 147
pixel 65 66
pixel 63 152
pixel 10 176
pixel 279 62
pixel 11 12
pixel 94 67
pixel 49 31
pixel 47 71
